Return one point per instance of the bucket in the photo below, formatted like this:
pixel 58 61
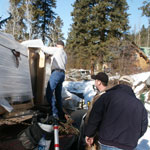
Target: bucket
pixel 47 128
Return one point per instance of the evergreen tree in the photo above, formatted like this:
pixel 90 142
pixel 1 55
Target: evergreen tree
pixel 16 25
pixel 146 8
pixel 4 21
pixel 95 22
pixel 144 32
pixel 27 8
pixel 118 18
pixel 34 19
pixel 43 17
pixel 56 32
pixel 144 36
pixel 146 12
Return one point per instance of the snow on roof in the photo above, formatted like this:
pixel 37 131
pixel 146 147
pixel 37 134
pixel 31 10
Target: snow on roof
pixel 37 43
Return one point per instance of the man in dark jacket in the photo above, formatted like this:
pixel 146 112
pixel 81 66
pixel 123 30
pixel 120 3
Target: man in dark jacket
pixel 101 82
pixel 119 118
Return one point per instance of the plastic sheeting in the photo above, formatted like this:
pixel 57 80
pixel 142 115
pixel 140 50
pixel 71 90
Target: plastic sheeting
pixel 15 81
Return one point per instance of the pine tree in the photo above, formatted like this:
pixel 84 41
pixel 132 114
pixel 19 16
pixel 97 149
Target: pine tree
pixel 32 19
pixel 16 25
pixel 146 12
pixel 27 8
pixel 79 38
pixel 95 23
pixel 43 17
pixel 146 8
pixel 144 36
pixel 118 18
pixel 4 21
pixel 56 32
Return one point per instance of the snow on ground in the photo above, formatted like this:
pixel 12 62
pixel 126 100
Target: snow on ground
pixel 141 77
pixel 147 106
pixel 86 88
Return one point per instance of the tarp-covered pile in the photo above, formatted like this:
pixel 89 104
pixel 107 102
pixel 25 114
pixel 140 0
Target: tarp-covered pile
pixel 15 81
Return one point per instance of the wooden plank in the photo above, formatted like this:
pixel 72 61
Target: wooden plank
pixel 18 108
pixel 15 120
pixel 40 83
pixel 22 106
pixel 18 113
pixel 37 69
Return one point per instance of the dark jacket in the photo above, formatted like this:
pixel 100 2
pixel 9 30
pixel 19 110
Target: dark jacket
pixel 119 117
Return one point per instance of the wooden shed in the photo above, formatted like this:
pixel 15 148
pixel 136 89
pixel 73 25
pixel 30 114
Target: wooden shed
pixel 142 60
pixel 129 59
pixel 39 69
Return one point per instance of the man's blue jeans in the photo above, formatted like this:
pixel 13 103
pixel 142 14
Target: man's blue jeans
pixel 106 147
pixel 55 86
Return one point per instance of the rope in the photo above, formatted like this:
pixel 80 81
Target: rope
pixel 15 53
pixel 13 50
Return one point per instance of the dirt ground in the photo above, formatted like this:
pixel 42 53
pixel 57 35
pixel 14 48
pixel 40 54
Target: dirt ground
pixel 8 137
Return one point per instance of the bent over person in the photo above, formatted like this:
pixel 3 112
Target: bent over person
pixel 119 118
pixel 54 86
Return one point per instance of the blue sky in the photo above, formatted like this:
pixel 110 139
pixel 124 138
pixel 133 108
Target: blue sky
pixel 64 9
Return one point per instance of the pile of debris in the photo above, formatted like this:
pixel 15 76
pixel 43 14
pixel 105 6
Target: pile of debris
pixel 78 75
